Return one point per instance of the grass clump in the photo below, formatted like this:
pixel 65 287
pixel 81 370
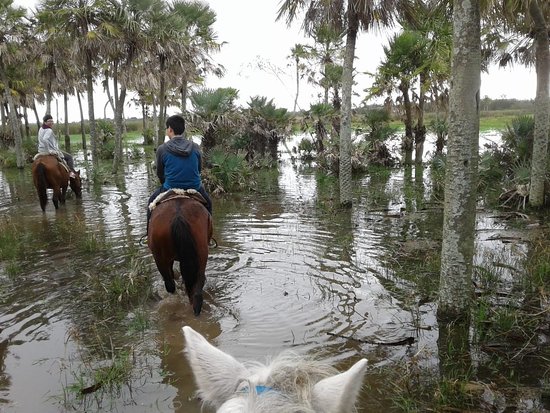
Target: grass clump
pixel 114 288
pixel 12 241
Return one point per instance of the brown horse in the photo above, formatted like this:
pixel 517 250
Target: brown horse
pixel 180 230
pixel 49 172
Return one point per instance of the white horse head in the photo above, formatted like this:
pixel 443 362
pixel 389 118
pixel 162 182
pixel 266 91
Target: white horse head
pixel 290 383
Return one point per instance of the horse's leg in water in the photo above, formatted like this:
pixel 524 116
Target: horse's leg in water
pixel 165 268
pixel 194 283
pixel 63 194
pixel 56 197
pixel 195 295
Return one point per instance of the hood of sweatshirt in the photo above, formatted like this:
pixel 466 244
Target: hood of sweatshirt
pixel 180 146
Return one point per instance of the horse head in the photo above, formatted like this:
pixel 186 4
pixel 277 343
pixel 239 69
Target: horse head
pixel 75 182
pixel 290 383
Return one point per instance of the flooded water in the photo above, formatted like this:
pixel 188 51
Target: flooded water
pixel 292 271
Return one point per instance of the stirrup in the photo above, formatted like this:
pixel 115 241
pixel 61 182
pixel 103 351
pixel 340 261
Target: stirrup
pixel 143 240
pixel 212 243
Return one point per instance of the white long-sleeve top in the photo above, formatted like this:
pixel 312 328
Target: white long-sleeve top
pixel 47 142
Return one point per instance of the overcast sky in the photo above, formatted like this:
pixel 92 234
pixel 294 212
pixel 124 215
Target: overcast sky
pixel 263 39
pixel 256 56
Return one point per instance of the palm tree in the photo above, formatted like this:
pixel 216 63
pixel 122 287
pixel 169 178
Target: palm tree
pixel 398 73
pixel 266 126
pixel 542 103
pixel 431 20
pixel 328 51
pixel 121 49
pixel 197 21
pixel 173 50
pixel 417 61
pixel 298 52
pixel 350 16
pixel 517 30
pixel 55 68
pixel 81 21
pixel 12 30
pixel 211 109
pixel 455 290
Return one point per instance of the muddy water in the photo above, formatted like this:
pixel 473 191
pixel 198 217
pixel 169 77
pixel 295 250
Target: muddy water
pixel 291 271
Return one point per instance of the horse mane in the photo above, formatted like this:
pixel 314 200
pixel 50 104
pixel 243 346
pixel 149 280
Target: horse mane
pixel 292 377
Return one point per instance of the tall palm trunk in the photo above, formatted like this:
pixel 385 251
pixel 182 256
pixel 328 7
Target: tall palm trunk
pixel 49 98
pixel 35 113
pixel 119 115
pixel 408 139
pixel 155 121
pixel 66 114
pixel 459 213
pixel 162 103
pixel 184 91
pixel 297 83
pixel 26 119
pixel 118 110
pixel 420 130
pixel 345 121
pixel 91 115
pixel 15 124
pixel 82 127
pixel 542 107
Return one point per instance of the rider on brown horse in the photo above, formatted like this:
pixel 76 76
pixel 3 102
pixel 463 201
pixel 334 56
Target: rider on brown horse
pixel 47 144
pixel 179 163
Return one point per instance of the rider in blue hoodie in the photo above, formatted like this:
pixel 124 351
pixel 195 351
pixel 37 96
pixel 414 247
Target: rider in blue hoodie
pixel 179 163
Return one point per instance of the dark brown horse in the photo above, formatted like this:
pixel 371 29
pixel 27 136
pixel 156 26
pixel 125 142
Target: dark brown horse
pixel 180 230
pixel 49 172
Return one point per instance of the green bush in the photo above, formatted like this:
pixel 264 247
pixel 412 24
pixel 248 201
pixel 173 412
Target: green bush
pixel 229 172
pixel 518 137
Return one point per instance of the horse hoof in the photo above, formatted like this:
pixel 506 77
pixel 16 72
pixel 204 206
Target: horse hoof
pixel 197 304
pixel 170 286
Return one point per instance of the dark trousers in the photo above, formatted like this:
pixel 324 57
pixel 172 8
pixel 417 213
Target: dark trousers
pixel 160 190
pixel 69 159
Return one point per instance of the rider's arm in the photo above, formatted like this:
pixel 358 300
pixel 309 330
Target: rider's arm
pixel 49 140
pixel 160 164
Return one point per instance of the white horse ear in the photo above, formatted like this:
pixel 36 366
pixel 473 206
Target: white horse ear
pixel 339 393
pixel 216 373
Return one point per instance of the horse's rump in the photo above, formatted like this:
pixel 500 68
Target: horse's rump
pixel 179 230
pixel 49 172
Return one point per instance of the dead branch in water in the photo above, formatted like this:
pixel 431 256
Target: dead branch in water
pixel 405 342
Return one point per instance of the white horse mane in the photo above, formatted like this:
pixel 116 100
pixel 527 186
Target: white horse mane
pixel 290 383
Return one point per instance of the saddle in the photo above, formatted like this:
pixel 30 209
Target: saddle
pixel 177 193
pixel 60 159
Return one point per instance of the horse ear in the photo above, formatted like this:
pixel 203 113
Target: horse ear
pixel 339 393
pixel 216 373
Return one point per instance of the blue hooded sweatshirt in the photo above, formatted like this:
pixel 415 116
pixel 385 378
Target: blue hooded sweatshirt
pixel 179 164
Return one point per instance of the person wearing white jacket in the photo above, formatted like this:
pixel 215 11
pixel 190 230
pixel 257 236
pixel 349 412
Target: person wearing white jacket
pixel 47 143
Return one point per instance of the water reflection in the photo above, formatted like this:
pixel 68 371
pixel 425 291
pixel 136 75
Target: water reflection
pixel 291 267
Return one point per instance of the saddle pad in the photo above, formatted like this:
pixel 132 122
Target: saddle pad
pixel 59 159
pixel 182 193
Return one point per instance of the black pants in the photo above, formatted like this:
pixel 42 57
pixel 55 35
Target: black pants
pixel 69 159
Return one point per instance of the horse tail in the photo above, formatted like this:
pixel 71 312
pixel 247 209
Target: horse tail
pixel 186 252
pixel 42 185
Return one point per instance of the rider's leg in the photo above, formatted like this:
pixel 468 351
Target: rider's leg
pixel 151 199
pixel 207 198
